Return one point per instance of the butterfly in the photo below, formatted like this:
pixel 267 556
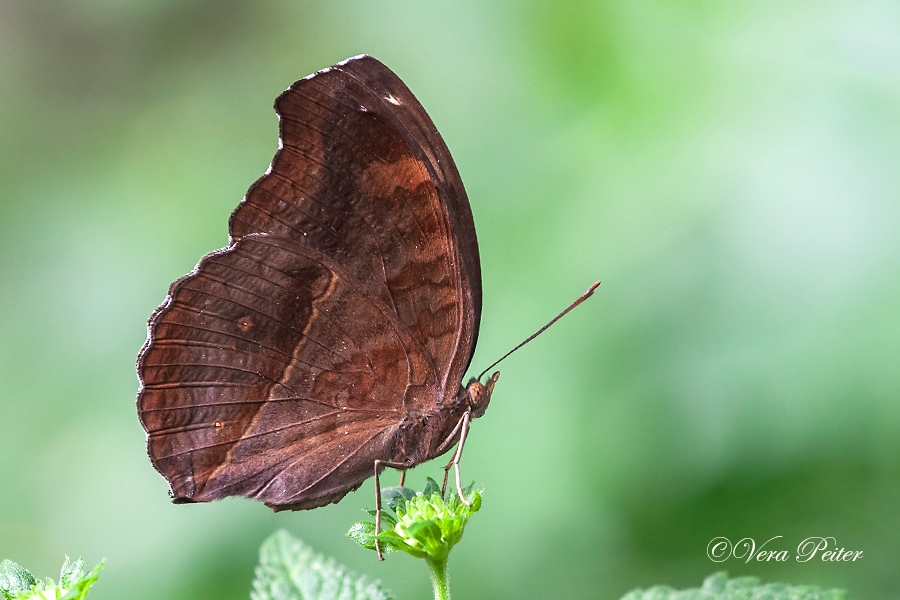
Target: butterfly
pixel 330 337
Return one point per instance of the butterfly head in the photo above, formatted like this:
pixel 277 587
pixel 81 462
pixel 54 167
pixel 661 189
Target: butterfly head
pixel 480 394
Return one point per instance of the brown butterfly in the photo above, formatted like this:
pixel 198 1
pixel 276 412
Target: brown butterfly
pixel 330 337
pixel 335 328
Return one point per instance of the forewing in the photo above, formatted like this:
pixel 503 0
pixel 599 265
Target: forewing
pixel 363 176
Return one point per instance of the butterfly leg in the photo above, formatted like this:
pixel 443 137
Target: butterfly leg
pixel 441 450
pixel 463 428
pixel 383 463
pixel 446 475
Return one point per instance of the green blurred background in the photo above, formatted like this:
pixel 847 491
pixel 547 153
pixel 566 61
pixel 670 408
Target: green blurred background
pixel 729 170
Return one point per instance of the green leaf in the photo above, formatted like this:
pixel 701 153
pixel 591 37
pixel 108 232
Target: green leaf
pixel 431 488
pixel 289 570
pixel 16 583
pixel 719 587
pixel 363 533
pixel 394 497
pixel 14 578
pixel 466 491
pixel 387 521
pixel 474 499
pixel 80 584
pixel 70 573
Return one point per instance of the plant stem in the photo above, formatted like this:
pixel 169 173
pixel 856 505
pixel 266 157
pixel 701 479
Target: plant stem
pixel 439 578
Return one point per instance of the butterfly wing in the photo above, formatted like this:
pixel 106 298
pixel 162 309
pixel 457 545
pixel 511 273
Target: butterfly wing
pixel 286 363
pixel 364 176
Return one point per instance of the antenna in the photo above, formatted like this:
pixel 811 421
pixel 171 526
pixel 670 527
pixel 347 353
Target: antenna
pixel 581 299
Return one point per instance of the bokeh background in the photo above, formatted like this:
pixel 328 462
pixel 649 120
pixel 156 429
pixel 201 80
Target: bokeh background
pixel 729 170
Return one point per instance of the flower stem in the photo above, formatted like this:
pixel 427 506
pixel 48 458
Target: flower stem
pixel 439 578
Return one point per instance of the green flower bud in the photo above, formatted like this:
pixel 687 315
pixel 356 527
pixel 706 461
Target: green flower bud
pixel 423 524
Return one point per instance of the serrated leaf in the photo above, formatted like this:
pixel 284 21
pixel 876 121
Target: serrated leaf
pixel 363 533
pixel 470 494
pixel 468 490
pixel 387 521
pixel 475 499
pixel 719 587
pixel 390 537
pixel 16 583
pixel 395 496
pixel 14 578
pixel 79 588
pixel 71 572
pixel 289 570
pixel 431 488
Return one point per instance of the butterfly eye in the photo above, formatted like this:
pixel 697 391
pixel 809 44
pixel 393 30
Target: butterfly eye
pixel 476 394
